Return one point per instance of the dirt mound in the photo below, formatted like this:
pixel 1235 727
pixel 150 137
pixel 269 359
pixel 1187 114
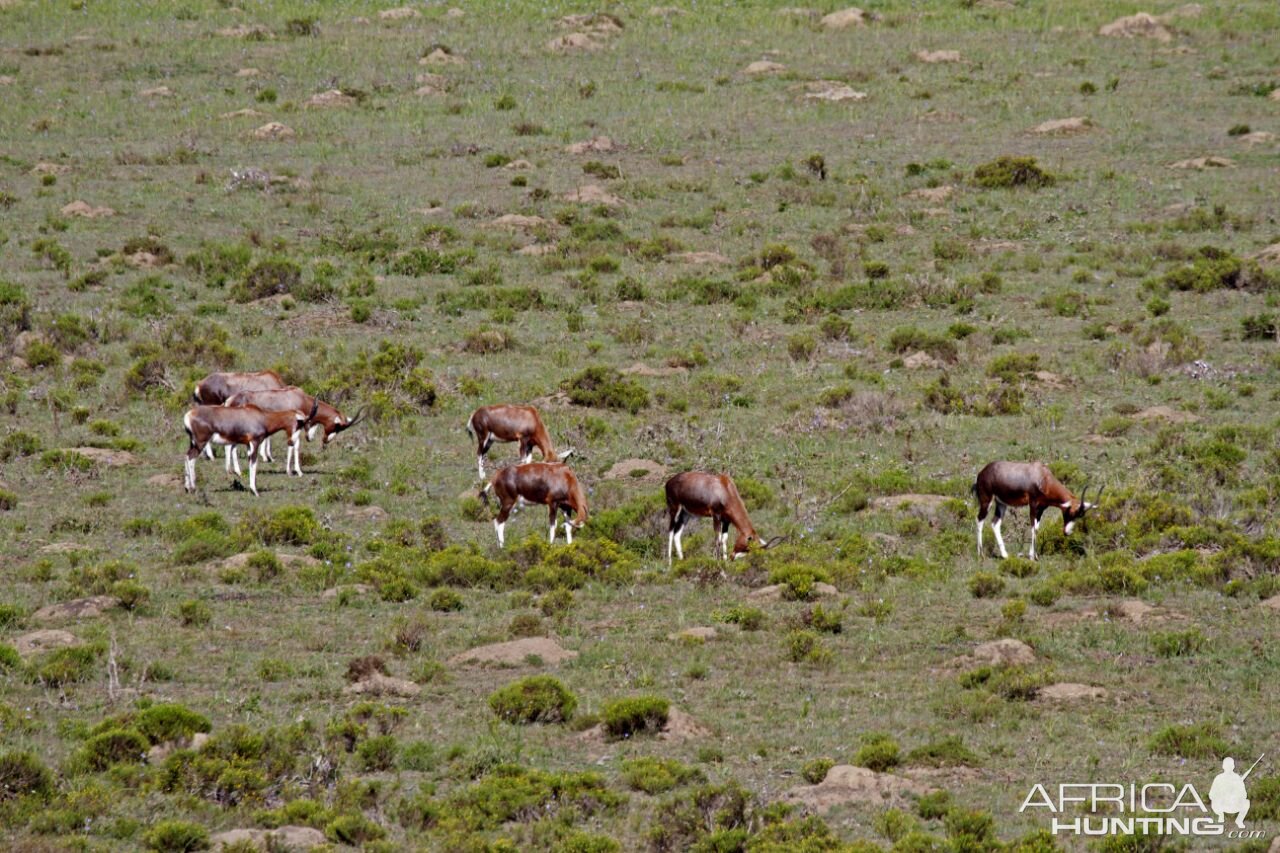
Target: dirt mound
pixel 637 470
pixel 1063 126
pixel 1069 692
pixel 1004 651
pixel 936 195
pixel 1272 603
pixel 920 361
pixel 289 561
pixel 537 249
pixel 88 211
pixel 441 56
pixel 515 653
pixel 110 458
pixel 929 503
pixel 696 634
pixel 244 113
pixel 764 66
pixel 679 726
pixel 848 785
pixel 377 684
pixel 156 92
pixel 523 223
pixel 274 130
pixel 592 194
pixel 831 90
pixel 371 514
pixel 598 145
pixel 329 99
pixel 351 588
pixel 773 592
pixel 1257 137
pixel 594 22
pixel 1049 379
pixel 699 258
pixel 1202 163
pixel 63 548
pixel 248 72
pixel 518 166
pixel 666 11
pixel 7 79
pixel 247 31
pixel 288 838
pixel 80 608
pixel 642 369
pixel 165 481
pixel 844 19
pixel 1141 25
pixel 935 57
pixel 399 14
pixel 45 640
pixel 50 169
pixel 1135 611
pixel 576 43
pixel 1165 413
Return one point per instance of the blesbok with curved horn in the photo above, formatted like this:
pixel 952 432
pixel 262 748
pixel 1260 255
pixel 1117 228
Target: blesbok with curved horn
pixel 1029 484
pixel 247 425
pixel 552 484
pixel 714 496
pixel 325 417
pixel 506 422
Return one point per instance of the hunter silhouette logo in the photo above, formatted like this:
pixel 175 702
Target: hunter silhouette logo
pixel 1227 794
pixel 1151 808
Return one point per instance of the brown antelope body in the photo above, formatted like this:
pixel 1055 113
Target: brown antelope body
pixel 714 496
pixel 216 388
pixel 247 425
pixel 551 484
pixel 292 398
pixel 1029 484
pixel 505 422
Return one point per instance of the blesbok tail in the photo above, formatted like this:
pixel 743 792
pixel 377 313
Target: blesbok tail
pixel 484 494
pixel 467 426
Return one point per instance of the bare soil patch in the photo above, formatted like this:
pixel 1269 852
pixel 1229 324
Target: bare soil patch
pixel 845 784
pixel 1142 25
pixel 79 608
pixel 637 470
pixel 515 653
pixel 1070 692
pixel 45 640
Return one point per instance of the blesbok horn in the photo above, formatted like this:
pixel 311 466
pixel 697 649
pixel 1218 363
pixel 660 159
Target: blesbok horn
pixel 352 422
pixel 777 540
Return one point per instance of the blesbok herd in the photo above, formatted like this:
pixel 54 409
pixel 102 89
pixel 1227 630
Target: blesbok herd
pixel 234 409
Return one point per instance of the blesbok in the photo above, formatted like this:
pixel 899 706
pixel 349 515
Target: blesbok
pixel 216 388
pixel 1029 484
pixel 505 422
pixel 247 425
pixel 286 399
pixel 714 496
pixel 552 484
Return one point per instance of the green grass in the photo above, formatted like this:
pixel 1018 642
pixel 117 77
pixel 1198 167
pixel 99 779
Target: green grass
pixel 1129 285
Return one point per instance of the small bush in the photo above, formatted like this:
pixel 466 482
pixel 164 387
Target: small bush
pixel 1169 644
pixel 985 585
pixel 268 277
pixel 606 388
pixel 8 500
pixel 798 580
pixel 948 752
pixel 637 715
pixel 445 600
pixel 289 525
pixel 1259 327
pixel 166 722
pixel 67 666
pixel 1008 172
pixel 194 613
pixel 806 647
pixel 22 774
pixel 537 699
pixel 115 746
pixel 377 753
pixel 934 805
pixel 658 775
pixel 878 752
pixel 907 339
pixel 816 770
pixel 18 444
pixel 177 836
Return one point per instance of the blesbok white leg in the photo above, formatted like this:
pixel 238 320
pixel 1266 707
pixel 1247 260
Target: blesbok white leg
pixel 253 469
pixel 230 452
pixel 679 550
pixel 498 525
pixel 995 528
pixel 265 450
pixel 527 458
pixel 981 522
pixel 1035 524
pixel 551 537
pixel 724 546
pixel 568 532
pixel 208 451
pixel 671 541
pixel 480 466
pixel 311 433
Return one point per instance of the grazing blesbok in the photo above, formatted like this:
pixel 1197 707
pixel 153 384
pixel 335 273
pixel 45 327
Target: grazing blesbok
pixel 714 496
pixel 488 424
pixel 286 399
pixel 551 484
pixel 247 425
pixel 216 388
pixel 1029 484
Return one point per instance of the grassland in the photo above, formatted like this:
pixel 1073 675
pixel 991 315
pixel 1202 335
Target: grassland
pixel 1105 314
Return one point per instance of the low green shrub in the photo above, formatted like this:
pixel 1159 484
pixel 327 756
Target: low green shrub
pixel 23 774
pixel 625 718
pixel 536 699
pixel 1197 740
pixel 109 748
pixel 816 770
pixel 1008 172
pixel 1169 644
pixel 878 752
pixel 177 836
pixel 798 580
pixel 948 752
pixel 985 585
pixel 606 388
pixel 658 775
